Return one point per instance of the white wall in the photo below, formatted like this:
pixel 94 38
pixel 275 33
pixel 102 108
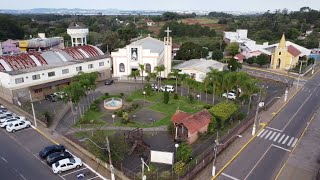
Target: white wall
pixel 9 81
pixel 199 74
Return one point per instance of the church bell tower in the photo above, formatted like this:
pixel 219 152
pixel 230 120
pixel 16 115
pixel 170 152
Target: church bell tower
pixel 167 53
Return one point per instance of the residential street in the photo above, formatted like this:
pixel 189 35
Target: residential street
pixel 266 154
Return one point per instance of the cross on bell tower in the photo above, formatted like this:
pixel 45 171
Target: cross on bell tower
pixel 168 31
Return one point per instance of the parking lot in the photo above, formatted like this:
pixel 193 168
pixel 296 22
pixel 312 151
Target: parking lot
pixel 19 152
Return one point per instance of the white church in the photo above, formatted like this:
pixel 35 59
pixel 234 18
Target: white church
pixel 148 51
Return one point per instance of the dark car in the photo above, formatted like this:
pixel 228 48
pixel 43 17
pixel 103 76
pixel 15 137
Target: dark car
pixel 51 97
pixel 57 156
pixel 108 82
pixel 51 149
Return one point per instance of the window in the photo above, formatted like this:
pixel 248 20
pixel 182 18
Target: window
pixel 121 67
pixel 101 63
pixel 35 77
pixel 19 80
pixel 65 71
pixel 37 90
pixel 90 66
pixel 279 53
pixel 50 74
pixel 79 68
pixel 148 67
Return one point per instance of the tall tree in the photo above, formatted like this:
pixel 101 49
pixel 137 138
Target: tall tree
pixel 175 74
pixel 212 78
pixel 233 49
pixel 183 78
pixel 134 75
pixel 250 88
pixel 142 69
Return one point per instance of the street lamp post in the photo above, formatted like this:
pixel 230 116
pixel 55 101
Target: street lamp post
pixel 33 112
pixel 176 146
pixel 215 152
pixel 198 98
pixel 144 177
pixel 257 112
pixel 299 74
pixel 113 116
pixel 109 153
pixel 144 98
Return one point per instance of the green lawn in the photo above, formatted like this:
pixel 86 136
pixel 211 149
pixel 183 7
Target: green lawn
pixel 101 133
pixel 90 117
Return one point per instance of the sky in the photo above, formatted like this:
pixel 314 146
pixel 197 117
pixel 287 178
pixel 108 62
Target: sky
pixel 206 5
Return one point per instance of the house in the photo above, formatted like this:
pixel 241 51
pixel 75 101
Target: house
pixel 148 51
pixel 188 126
pixel 198 68
pixel 150 22
pixel 239 57
pixel 285 54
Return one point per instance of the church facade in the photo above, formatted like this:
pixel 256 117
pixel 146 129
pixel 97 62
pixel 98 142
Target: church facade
pixel 148 51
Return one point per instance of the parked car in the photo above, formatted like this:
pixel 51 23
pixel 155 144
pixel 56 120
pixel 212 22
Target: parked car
pixel 169 88
pixel 51 97
pixel 60 94
pixel 57 156
pixel 6 122
pixel 17 125
pixel 154 87
pixel 51 149
pixel 230 95
pixel 108 82
pixel 66 164
pixel 5 116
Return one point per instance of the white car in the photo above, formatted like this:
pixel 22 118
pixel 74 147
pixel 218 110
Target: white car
pixel 66 164
pixel 60 94
pixel 11 117
pixel 169 88
pixel 8 121
pixel 17 125
pixel 230 95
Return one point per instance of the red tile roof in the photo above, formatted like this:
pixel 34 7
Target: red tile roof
pixel 293 51
pixel 193 122
pixel 240 57
pixel 179 116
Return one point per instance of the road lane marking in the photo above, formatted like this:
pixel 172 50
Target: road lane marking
pixel 294 142
pixel 22 176
pixel 4 160
pixel 74 171
pixel 271 137
pixel 257 162
pixel 274 129
pixel 298 110
pixel 260 132
pixel 231 177
pixel 281 138
pixel 281 148
pixel 285 140
pixel 265 132
pixel 275 139
pixel 270 132
pixel 290 141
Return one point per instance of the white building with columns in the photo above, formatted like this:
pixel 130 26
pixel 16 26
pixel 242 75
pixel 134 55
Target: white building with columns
pixel 148 51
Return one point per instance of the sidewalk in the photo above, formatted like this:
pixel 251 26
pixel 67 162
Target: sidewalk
pixel 57 138
pixel 225 156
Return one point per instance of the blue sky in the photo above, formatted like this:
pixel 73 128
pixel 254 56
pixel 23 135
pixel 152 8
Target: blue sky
pixel 211 5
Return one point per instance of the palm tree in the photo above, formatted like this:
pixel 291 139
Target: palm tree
pixel 157 72
pixel 182 78
pixel 212 78
pixel 241 78
pixel 134 75
pixel 161 68
pixel 228 82
pixel 142 69
pixel 250 88
pixel 175 74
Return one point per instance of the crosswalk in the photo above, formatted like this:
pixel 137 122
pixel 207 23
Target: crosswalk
pixel 278 137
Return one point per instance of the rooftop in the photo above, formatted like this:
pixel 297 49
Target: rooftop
pixel 200 64
pixel 155 45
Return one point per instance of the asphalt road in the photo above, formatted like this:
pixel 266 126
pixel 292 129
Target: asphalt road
pixel 266 154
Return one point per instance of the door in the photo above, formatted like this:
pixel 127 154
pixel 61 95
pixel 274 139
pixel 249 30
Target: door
pixel 70 166
pixel 63 167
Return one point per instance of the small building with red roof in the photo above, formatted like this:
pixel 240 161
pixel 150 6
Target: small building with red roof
pixel 188 126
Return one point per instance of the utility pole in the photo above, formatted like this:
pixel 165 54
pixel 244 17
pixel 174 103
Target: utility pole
pixel 299 74
pixel 110 161
pixel 33 112
pixel 256 116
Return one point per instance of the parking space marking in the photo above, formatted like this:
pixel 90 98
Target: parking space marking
pixel 4 160
pixel 92 178
pixel 22 176
pixel 74 171
pixel 231 177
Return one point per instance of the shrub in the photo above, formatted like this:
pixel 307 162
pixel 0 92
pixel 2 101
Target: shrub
pixel 175 96
pixel 125 118
pixel 251 60
pixel 190 98
pixel 213 126
pixel 165 175
pixel 119 113
pixel 94 107
pixel 184 152
pixel 121 94
pixel 241 116
pixel 106 94
pixel 179 168
pixel 48 117
pixel 166 97
pixel 97 101
pixel 207 106
pixel 224 110
pixel 135 105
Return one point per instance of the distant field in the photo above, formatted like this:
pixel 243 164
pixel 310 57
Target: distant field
pixel 203 21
